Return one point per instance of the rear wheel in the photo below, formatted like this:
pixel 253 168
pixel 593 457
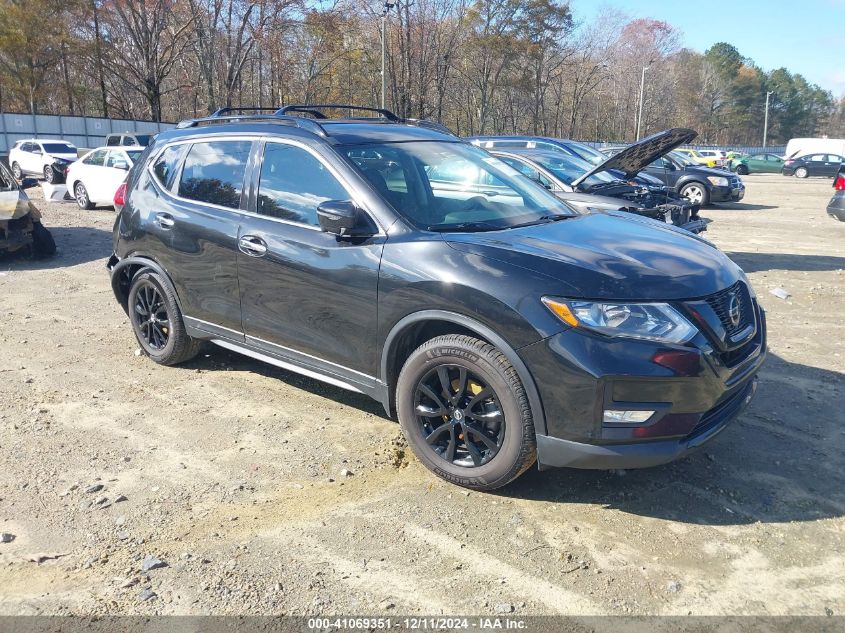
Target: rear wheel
pixel 157 320
pixel 801 172
pixel 742 170
pixel 81 195
pixel 17 172
pixel 696 193
pixel 465 413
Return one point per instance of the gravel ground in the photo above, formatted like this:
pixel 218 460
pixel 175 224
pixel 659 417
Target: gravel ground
pixel 227 486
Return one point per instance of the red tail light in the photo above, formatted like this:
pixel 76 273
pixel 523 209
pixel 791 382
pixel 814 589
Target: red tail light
pixel 120 195
pixel 839 185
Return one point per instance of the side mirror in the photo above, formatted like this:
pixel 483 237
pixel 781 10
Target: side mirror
pixel 342 218
pixel 28 183
pixel 120 164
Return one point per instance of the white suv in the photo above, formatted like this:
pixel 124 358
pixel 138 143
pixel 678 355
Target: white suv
pixel 44 158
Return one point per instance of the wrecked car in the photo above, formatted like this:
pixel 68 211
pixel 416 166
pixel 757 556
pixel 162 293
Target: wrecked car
pixel 607 185
pixel 20 220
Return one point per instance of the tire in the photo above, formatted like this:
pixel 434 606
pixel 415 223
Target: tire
pixel 81 195
pixel 801 172
pixel 696 193
pixel 17 172
pixel 466 368
pixel 49 174
pixel 742 170
pixel 43 244
pixel 157 320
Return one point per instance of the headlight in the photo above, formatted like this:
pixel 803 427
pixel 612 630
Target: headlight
pixel 718 181
pixel 649 321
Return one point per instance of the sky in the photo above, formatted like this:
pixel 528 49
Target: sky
pixel 806 37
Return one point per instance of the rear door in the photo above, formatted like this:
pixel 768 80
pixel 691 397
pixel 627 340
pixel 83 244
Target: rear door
pixel 189 203
pixel 304 293
pixel 30 160
pixel 816 164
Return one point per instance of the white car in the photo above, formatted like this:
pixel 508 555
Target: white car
pixel 43 158
pixel 95 177
pixel 720 156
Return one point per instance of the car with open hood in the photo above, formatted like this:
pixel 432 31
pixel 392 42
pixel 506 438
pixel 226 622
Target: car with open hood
pixel 602 190
pixel 389 258
pixel 20 220
pixel 700 185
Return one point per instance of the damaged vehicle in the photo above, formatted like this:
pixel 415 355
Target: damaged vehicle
pixel 20 221
pixel 611 185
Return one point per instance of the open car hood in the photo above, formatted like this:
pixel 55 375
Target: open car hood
pixel 636 157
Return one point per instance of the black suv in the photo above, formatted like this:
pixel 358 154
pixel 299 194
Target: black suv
pixel 498 324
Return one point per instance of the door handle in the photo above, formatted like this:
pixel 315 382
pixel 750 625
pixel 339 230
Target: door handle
pixel 165 221
pixel 252 246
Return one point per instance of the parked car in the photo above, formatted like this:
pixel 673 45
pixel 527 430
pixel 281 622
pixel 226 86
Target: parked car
pixel 557 173
pixel 42 158
pixel 757 164
pixel 700 185
pixel 805 146
pixel 569 148
pixel 720 157
pixel 95 178
pixel 836 206
pixel 20 220
pixel 696 157
pixel 128 139
pixel 731 155
pixel 813 165
pixel 499 325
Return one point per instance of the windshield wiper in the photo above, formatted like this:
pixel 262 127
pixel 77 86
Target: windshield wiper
pixel 466 226
pixel 543 219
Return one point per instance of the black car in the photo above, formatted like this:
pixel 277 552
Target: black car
pixel 609 185
pixel 698 184
pixel 836 206
pixel 813 165
pixel 392 259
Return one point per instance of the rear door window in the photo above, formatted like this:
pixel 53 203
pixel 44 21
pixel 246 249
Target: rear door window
pixel 214 172
pixel 293 183
pixel 96 158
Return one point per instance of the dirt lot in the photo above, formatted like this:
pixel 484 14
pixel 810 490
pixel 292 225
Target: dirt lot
pixel 232 470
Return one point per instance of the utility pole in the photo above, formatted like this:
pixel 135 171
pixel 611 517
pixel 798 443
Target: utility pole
pixel 642 94
pixel 388 5
pixel 766 119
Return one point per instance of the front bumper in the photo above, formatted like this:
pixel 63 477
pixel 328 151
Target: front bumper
pixel 727 194
pixel 695 391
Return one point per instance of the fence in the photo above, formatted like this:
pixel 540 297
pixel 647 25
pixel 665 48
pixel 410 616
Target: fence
pixel 80 130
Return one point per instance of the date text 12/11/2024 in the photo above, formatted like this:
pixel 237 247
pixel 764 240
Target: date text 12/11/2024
pixel 418 624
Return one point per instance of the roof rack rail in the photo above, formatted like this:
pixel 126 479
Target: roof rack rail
pixel 242 109
pixel 296 121
pixel 314 109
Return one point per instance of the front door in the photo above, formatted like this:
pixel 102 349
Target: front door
pixel 306 293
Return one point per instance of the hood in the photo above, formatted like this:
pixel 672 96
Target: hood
pixel 615 256
pixel 636 157
pixel 707 171
pixel 70 157
pixel 595 201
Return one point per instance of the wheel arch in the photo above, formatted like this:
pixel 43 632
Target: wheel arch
pixel 125 271
pixel 415 329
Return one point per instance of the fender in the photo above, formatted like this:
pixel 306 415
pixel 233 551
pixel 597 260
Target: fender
pixel 484 332
pixel 117 268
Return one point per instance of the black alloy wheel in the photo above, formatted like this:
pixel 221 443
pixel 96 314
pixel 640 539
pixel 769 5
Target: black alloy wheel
pixel 151 317
pixel 459 415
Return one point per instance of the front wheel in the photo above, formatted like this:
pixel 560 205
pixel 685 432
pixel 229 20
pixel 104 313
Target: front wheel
pixel 50 175
pixel 801 172
pixel 742 170
pixel 43 244
pixel 465 413
pixel 17 172
pixel 82 198
pixel 696 193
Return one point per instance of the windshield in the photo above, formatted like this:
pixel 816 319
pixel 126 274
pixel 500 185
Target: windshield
pixel 58 148
pixel 568 168
pixel 678 157
pixel 589 154
pixel 443 186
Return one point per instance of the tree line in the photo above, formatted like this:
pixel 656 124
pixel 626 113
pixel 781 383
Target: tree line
pixel 477 66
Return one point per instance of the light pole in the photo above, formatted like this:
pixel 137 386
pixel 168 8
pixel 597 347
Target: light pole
pixel 388 5
pixel 642 92
pixel 766 119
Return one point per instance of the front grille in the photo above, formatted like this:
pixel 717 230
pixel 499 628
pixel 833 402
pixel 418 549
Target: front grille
pixel 734 181
pixel 722 303
pixel 723 411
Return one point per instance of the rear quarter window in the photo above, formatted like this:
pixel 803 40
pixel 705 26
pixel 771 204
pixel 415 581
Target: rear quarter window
pixel 166 164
